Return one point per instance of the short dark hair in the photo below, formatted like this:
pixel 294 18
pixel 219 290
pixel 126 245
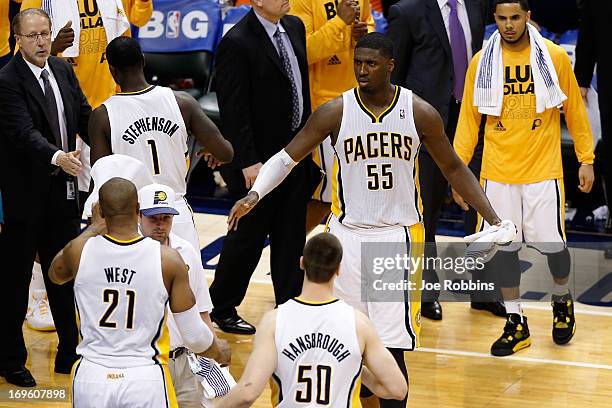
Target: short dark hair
pixel 124 52
pixel 523 3
pixel 322 256
pixel 16 23
pixel 377 41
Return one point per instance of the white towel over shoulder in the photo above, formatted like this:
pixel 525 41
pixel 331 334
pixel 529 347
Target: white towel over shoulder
pixel 489 84
pixel 113 16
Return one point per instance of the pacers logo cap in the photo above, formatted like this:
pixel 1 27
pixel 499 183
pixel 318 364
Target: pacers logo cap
pixel 156 199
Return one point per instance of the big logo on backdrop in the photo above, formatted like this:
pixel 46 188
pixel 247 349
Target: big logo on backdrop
pixel 181 25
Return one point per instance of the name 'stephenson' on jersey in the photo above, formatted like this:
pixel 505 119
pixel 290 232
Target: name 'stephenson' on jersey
pixel 148 126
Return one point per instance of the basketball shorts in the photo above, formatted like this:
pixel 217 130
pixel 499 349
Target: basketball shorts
pixel 96 386
pixel 537 210
pixel 323 156
pixel 398 321
pixel 183 224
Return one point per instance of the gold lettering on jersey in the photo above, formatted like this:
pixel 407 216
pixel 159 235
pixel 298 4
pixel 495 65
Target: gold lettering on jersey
pixel 377 144
pixel 149 124
pixel 93 36
pixel 316 340
pixel 113 376
pixel 115 274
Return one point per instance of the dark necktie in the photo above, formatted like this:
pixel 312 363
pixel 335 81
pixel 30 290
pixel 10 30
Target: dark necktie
pixel 458 48
pixel 52 106
pixel 295 101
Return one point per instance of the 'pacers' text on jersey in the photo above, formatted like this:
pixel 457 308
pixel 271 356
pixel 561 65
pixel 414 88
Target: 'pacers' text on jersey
pixel 318 355
pixel 148 126
pixel 375 174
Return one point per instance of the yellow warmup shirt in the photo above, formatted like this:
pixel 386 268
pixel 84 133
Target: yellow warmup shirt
pixel 329 47
pixel 91 67
pixel 520 146
pixel 5 27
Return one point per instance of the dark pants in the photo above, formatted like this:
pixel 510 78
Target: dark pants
pixel 281 215
pixel 605 113
pixel 45 234
pixel 434 190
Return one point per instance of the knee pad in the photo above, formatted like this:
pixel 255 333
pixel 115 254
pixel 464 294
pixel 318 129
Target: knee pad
pixel 559 264
pixel 506 268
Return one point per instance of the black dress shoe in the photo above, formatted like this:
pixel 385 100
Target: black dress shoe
pixel 431 310
pixel 234 324
pixel 496 308
pixel 63 365
pixel 20 377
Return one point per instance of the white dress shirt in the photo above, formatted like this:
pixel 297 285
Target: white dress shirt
pixel 37 71
pixel 463 19
pixel 295 67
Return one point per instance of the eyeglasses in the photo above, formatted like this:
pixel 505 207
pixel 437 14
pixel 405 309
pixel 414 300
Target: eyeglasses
pixel 45 35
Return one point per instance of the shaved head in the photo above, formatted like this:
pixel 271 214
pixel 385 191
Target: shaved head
pixel 118 197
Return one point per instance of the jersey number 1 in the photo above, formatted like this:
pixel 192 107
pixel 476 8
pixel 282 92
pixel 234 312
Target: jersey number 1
pixel 323 384
pixel 153 147
pixel 112 296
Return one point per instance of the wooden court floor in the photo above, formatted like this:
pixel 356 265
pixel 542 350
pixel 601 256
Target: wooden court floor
pixel 453 368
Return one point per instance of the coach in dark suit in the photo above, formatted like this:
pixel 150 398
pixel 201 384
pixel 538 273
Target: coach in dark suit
pixel 434 42
pixel 42 108
pixel 262 86
pixel 592 49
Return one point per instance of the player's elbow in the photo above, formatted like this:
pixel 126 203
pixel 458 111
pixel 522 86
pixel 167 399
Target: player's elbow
pixel 395 390
pixel 227 155
pixel 399 390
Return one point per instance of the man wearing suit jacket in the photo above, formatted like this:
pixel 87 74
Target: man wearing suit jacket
pixel 262 86
pixel 434 42
pixel 43 109
pixel 592 49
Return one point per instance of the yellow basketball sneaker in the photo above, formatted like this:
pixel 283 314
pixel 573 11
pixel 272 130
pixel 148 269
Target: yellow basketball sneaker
pixel 564 322
pixel 39 313
pixel 515 337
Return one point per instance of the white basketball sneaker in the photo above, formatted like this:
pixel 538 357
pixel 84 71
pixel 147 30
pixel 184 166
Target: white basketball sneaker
pixel 39 313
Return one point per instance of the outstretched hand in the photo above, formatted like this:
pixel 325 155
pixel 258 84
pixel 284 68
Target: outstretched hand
pixel 241 208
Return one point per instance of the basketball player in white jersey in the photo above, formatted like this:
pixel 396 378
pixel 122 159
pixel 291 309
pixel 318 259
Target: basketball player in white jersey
pixel 156 217
pixel 316 348
pixel 123 282
pixel 376 130
pixel 151 123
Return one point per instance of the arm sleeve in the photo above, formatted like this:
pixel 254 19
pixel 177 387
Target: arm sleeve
pixel 1 212
pixel 195 333
pixel 233 92
pixel 272 173
pixel 138 11
pixel 324 42
pixel 574 110
pixel 586 48
pixel 468 126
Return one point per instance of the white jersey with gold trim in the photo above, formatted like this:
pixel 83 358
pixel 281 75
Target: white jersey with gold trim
pixel 121 300
pixel 318 355
pixel 148 126
pixel 375 172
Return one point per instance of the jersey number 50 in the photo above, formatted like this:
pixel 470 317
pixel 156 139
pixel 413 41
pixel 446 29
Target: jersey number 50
pixel 323 384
